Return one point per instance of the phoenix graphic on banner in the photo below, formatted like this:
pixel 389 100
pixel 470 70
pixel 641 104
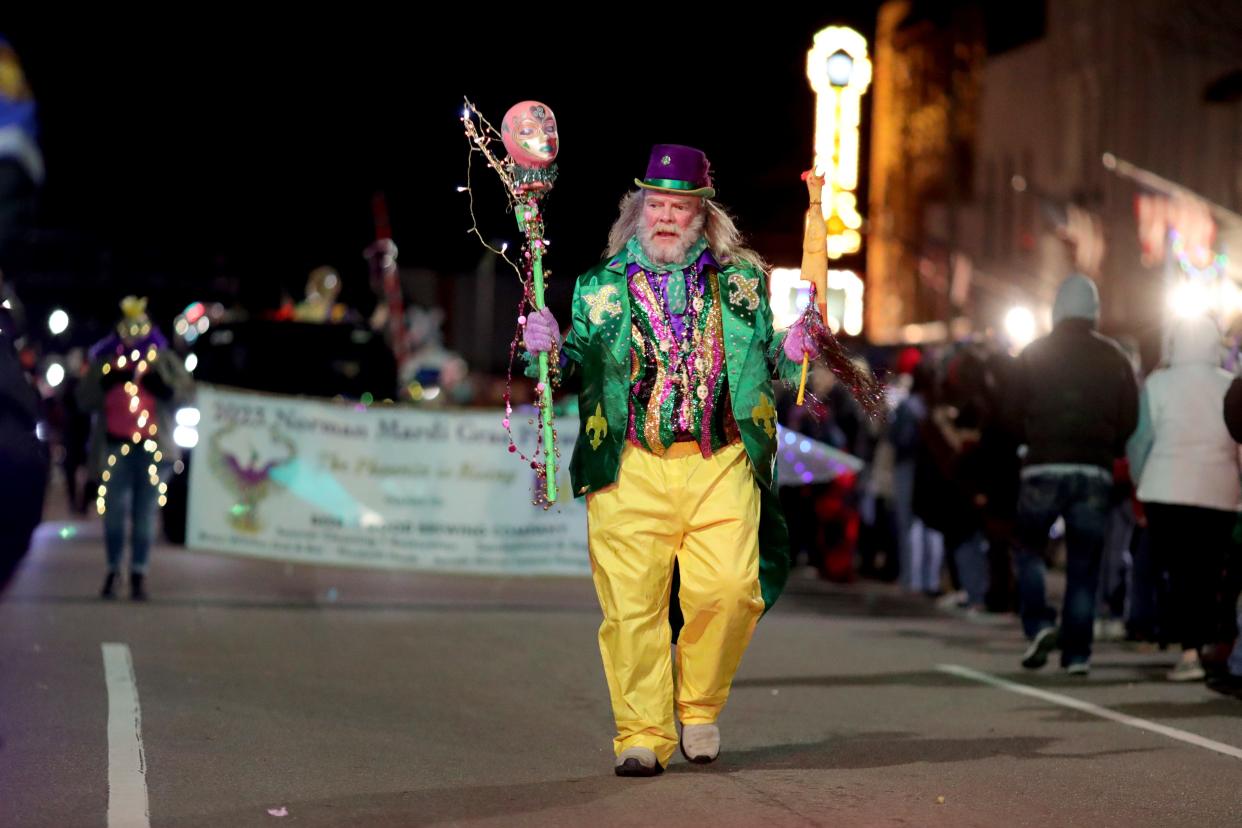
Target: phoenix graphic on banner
pixel 245 459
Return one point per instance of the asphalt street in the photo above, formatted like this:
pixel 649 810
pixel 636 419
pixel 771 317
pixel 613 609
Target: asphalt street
pixel 258 693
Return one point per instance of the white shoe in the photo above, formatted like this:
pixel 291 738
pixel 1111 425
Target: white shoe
pixel 1188 668
pixel 1036 655
pixel 1109 629
pixel 700 743
pixel 953 600
pixel 638 761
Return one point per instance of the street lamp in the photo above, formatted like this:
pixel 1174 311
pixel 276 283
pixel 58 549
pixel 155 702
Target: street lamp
pixel 55 374
pixel 1020 326
pixel 58 322
pixel 840 67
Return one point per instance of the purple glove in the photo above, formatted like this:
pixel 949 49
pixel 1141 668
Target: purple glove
pixel 798 342
pixel 542 334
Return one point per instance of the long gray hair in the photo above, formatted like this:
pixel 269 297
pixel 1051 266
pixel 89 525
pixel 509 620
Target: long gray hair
pixel 723 237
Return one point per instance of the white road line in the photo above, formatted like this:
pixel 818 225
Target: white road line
pixel 1093 709
pixel 127 764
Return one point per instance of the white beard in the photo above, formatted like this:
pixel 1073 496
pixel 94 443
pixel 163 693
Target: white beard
pixel 673 250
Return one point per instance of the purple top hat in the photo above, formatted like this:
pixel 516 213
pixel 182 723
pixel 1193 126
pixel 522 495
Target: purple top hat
pixel 678 170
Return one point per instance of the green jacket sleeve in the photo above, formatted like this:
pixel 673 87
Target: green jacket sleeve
pixel 781 367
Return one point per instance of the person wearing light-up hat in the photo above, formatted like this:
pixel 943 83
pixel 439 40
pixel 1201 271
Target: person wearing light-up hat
pixel 134 385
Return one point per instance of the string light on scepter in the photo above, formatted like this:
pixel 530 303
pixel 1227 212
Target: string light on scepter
pixel 527 174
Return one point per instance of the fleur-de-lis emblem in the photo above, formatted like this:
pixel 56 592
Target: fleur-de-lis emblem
pixel 744 291
pixel 764 415
pixel 597 427
pixel 602 301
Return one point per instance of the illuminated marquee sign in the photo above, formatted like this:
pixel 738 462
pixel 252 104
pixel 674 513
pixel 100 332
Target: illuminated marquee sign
pixel 840 72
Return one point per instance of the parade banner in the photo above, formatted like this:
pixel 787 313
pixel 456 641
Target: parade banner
pixel 392 487
pixel 395 487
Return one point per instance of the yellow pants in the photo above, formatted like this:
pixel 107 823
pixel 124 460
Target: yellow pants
pixel 703 513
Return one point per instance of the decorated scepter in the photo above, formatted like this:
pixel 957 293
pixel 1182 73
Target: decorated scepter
pixel 859 381
pixel 529 135
pixel 814 258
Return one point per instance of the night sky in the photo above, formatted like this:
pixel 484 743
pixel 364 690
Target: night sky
pixel 193 153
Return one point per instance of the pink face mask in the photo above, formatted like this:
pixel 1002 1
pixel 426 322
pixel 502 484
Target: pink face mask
pixel 529 134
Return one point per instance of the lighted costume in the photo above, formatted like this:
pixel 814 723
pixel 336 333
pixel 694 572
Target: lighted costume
pixel 134 385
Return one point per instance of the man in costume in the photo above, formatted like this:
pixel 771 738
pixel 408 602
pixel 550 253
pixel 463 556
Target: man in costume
pixel 672 341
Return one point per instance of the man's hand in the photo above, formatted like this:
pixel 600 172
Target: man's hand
pixel 541 332
pixel 799 343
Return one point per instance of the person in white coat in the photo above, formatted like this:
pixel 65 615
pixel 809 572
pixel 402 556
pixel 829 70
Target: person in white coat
pixel 1187 468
